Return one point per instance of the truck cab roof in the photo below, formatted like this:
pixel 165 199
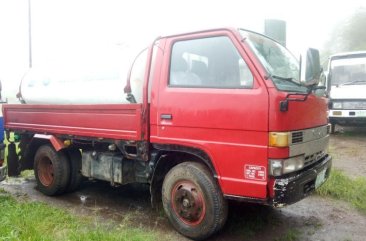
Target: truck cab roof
pixel 347 54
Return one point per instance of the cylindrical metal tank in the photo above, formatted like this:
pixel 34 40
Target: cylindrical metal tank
pixel 99 80
pixel 72 87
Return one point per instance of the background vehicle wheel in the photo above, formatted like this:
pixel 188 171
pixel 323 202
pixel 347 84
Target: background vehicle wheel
pixel 52 170
pixel 76 178
pixel 193 201
pixel 332 128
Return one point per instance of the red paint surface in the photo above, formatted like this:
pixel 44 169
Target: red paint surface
pixel 301 115
pixel 100 121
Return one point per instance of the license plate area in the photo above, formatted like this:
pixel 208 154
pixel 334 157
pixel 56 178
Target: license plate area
pixel 320 178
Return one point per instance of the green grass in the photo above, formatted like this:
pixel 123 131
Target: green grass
pixel 290 235
pixel 24 220
pixel 341 187
pixel 27 174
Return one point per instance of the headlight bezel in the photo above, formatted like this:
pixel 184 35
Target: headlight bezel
pixel 337 105
pixel 279 167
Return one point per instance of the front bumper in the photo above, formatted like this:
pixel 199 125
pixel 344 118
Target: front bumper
pixel 348 120
pixel 288 190
pixel 341 116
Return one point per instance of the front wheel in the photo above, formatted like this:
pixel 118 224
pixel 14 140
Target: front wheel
pixel 193 201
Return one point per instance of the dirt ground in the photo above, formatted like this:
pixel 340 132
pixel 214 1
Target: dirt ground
pixel 313 218
pixel 348 148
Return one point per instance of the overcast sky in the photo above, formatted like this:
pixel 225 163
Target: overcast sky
pixel 61 27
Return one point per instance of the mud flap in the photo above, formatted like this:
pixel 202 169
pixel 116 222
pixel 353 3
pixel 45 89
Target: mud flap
pixel 13 161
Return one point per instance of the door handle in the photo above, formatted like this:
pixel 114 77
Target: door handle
pixel 166 116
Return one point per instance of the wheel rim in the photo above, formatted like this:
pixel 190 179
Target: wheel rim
pixel 188 203
pixel 45 171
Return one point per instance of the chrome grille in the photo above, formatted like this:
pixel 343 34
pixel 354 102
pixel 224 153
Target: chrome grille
pixel 307 135
pixel 354 105
pixel 313 158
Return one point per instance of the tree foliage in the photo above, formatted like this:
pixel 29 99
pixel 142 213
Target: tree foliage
pixel 348 35
pixel 353 34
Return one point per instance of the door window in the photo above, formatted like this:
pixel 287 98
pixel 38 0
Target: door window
pixel 209 62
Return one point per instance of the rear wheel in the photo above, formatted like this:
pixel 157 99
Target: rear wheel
pixel 52 170
pixel 76 178
pixel 193 201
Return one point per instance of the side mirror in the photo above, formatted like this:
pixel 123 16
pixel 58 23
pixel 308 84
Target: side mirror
pixel 321 89
pixel 310 69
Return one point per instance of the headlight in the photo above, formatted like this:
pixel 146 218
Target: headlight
pixel 337 105
pixel 280 167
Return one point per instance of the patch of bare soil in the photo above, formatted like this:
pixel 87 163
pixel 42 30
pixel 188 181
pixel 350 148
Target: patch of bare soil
pixel 313 218
pixel 348 149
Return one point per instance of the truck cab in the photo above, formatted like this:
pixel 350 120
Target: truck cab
pixel 346 83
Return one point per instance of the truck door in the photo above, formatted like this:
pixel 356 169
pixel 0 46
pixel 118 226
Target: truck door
pixel 210 98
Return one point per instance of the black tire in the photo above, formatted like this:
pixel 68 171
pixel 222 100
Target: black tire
pixel 193 201
pixel 76 178
pixel 332 128
pixel 52 170
pixel 13 161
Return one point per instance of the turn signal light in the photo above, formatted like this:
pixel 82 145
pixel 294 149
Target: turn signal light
pixel 279 139
pixel 337 113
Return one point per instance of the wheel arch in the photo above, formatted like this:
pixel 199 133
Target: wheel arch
pixel 168 156
pixel 29 145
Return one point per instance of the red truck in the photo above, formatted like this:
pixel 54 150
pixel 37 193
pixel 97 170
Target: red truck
pixel 220 114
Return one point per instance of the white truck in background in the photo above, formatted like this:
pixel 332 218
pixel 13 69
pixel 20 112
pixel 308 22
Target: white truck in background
pixel 346 86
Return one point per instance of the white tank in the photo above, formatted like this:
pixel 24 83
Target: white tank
pixel 58 87
pixel 96 82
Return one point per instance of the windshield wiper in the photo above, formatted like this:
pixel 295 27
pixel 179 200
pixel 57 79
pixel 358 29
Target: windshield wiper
pixel 289 79
pixel 282 78
pixel 354 82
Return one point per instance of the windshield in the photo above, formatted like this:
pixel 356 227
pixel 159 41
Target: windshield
pixel 351 71
pixel 282 66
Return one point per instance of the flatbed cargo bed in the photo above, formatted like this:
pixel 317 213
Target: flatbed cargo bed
pixel 110 121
